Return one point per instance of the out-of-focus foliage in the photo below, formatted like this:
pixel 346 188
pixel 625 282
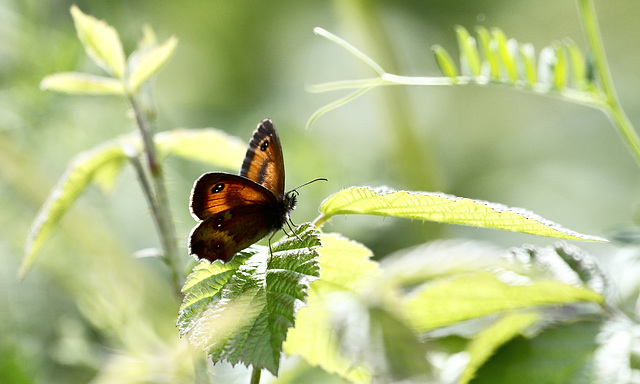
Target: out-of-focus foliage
pixel 89 311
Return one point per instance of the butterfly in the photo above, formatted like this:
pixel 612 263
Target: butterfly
pixel 236 211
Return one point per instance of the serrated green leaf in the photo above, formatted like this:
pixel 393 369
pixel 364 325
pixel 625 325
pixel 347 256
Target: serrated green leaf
pixel 203 285
pixel 101 42
pixel 442 208
pixel 82 84
pixel 448 301
pixel 445 62
pixel 148 62
pixel 209 145
pixel 344 265
pixel 488 340
pixel 242 312
pixel 470 63
pixel 80 172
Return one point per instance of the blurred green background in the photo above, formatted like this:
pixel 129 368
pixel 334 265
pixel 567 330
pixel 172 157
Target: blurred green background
pixel 90 311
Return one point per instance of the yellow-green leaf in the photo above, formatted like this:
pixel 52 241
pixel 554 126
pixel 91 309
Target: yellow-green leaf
pixel 82 83
pixel 149 38
pixel 578 66
pixel 448 301
pixel 528 55
pixel 507 56
pixel 149 62
pixel 101 42
pixel 78 175
pixel 315 340
pixel 103 163
pixel 209 145
pixel 488 47
pixel 344 265
pixel 561 67
pixel 487 341
pixel 442 208
pixel 445 62
pixel 469 56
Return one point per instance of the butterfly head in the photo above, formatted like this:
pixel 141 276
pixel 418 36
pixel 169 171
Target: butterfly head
pixel 290 199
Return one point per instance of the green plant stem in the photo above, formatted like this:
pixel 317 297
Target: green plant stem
pixel 615 112
pixel 255 376
pixel 319 221
pixel 144 184
pixel 158 200
pixel 411 155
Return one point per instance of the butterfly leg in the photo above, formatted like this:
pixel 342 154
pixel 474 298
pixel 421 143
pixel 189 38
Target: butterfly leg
pixel 270 250
pixel 289 224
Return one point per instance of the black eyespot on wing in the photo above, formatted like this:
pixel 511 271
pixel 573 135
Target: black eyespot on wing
pixel 217 188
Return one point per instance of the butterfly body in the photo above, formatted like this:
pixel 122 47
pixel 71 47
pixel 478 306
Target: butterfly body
pixel 236 211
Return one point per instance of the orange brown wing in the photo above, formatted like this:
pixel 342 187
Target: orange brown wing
pixel 264 162
pixel 217 192
pixel 234 211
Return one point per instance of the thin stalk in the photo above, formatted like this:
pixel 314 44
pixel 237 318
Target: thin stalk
pixel 255 376
pixel 318 222
pixel 615 112
pixel 411 156
pixel 158 200
pixel 144 184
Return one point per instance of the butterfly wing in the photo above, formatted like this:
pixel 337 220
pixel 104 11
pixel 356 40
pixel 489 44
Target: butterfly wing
pixel 222 236
pixel 235 213
pixel 263 162
pixel 217 192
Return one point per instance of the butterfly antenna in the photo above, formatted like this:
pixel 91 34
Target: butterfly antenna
pixel 309 182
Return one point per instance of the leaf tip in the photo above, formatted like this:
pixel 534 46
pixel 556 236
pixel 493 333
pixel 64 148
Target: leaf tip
pixel 319 31
pixel 44 84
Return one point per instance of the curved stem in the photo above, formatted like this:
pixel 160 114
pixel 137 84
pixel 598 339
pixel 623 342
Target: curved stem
pixel 158 199
pixel 615 111
pixel 319 221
